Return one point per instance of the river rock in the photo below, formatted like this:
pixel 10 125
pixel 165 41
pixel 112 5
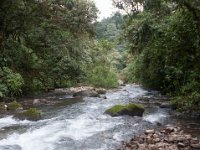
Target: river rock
pixel 168 105
pixel 196 146
pixel 130 109
pixel 194 141
pixel 86 93
pixel 149 131
pixel 165 105
pixel 169 129
pixel 100 91
pixel 37 102
pixel 180 144
pixel 142 147
pixel 120 82
pixel 73 90
pixel 128 148
pixel 153 147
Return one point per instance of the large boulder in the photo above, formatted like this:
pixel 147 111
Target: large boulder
pixel 86 93
pixel 32 114
pixel 130 109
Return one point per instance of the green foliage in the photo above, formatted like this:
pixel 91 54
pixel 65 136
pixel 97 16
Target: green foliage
pixel 189 96
pixel 3 90
pixel 99 70
pixel 165 45
pixel 110 28
pixel 101 76
pixel 10 82
pixel 43 44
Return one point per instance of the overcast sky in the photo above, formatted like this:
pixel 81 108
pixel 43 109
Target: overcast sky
pixel 105 7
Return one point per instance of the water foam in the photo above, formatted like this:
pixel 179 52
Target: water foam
pixel 156 117
pixel 9 121
pixel 41 139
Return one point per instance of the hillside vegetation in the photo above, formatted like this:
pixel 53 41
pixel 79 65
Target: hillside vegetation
pixel 164 47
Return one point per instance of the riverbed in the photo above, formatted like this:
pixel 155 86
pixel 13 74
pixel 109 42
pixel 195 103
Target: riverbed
pixel 82 124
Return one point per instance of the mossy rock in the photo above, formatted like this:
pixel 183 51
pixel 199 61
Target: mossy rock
pixel 32 114
pixel 130 109
pixel 14 106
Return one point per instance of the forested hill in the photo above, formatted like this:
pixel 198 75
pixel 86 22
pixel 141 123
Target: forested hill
pixel 52 44
pixel 110 28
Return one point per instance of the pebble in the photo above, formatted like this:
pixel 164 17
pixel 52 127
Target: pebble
pixel 149 131
pixel 196 146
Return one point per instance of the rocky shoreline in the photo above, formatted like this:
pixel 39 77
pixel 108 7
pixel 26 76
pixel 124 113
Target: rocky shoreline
pixel 167 138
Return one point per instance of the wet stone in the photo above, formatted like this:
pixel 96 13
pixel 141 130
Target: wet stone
pixel 153 147
pixel 181 144
pixel 170 138
pixel 196 146
pixel 170 129
pixel 157 140
pixel 149 131
pixel 194 141
pixel 128 148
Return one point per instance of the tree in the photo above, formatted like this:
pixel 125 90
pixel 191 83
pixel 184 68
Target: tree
pixel 41 41
pixel 164 44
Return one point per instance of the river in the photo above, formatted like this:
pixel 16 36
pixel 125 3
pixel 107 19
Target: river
pixel 81 125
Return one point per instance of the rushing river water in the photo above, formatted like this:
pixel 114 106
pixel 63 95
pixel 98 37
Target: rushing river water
pixel 81 125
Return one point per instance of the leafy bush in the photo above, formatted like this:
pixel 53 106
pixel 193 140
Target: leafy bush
pixel 189 96
pixel 48 49
pixel 101 76
pixel 11 82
